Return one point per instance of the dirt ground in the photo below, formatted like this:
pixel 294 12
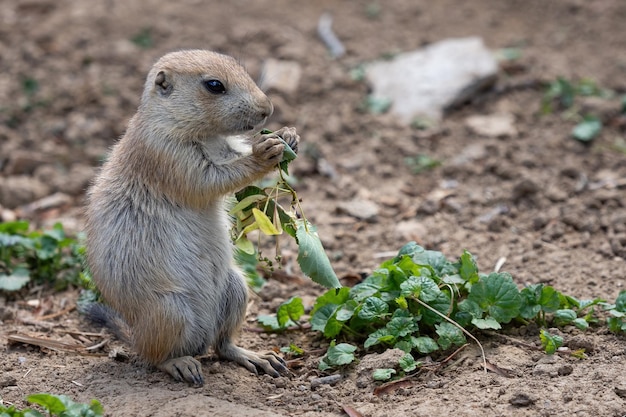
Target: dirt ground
pixel 71 73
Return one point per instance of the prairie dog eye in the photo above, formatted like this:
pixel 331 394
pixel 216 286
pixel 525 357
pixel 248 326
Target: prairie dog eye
pixel 214 86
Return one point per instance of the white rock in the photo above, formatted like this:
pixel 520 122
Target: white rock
pixel 493 125
pixel 427 81
pixel 281 76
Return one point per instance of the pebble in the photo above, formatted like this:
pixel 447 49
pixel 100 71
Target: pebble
pixel 493 126
pixel 361 209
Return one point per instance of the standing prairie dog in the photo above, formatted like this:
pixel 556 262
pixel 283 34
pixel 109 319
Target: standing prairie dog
pixel 157 231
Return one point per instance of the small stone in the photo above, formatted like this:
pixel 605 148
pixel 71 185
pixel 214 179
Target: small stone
pixel 521 400
pixel 20 189
pixel 281 76
pixel 7 381
pixel 411 230
pixel 620 391
pixel 565 370
pixel 361 209
pixel 56 200
pixel 525 188
pixel 492 126
pixel 330 380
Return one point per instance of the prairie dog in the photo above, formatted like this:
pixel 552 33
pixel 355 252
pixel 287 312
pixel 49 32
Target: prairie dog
pixel 157 232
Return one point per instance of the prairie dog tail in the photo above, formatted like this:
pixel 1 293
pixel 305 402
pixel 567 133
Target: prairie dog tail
pixel 105 316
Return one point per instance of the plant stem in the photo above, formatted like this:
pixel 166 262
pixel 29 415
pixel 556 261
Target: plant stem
pixel 457 325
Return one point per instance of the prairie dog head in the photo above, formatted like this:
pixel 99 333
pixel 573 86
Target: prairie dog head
pixel 196 94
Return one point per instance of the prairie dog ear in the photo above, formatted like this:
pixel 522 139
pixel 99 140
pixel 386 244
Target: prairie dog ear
pixel 163 84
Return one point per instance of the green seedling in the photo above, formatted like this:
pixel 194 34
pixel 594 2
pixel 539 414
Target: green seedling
pixel 292 349
pixel 337 355
pixel 287 315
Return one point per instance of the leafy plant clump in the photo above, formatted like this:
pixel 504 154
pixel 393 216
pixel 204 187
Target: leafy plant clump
pixel 55 405
pixel 420 302
pixel 38 257
pixel 259 209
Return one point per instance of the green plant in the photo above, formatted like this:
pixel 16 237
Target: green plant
pixel 39 256
pixel 259 209
pixel 288 314
pixel 55 405
pixel 337 355
pixel 421 163
pixel 420 302
pixel 617 320
pixel 561 95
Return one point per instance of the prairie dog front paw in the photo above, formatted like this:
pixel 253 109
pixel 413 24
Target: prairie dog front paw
pixel 268 149
pixel 289 135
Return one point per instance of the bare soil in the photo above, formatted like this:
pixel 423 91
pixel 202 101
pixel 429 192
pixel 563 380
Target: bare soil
pixel 555 208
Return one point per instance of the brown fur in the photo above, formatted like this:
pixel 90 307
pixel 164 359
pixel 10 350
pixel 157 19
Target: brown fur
pixel 157 239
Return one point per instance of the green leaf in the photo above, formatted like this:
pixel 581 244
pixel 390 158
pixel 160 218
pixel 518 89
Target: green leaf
pixel 468 269
pixel 15 281
pixel 565 316
pixel 530 301
pixel 379 336
pixel 423 288
pixel 588 129
pixel 332 296
pixel 14 228
pixel 442 304
pixel 402 326
pixel 268 321
pixel 383 374
pixel 346 311
pixel 247 201
pixel 471 307
pixel 248 263
pixel 409 249
pixel 320 318
pixel 486 323
pixel 265 224
pixel 497 295
pixel 292 349
pixel 363 290
pixel 53 403
pixel 290 311
pixel 407 363
pixel 339 355
pixel 373 308
pixel 616 324
pixel 401 302
pixel 550 342
pixel 312 258
pixel 404 345
pixel 549 299
pixel 620 302
pixel 581 323
pixel 245 246
pixel 333 327
pixel 449 335
pixel 425 344
pixel 288 156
